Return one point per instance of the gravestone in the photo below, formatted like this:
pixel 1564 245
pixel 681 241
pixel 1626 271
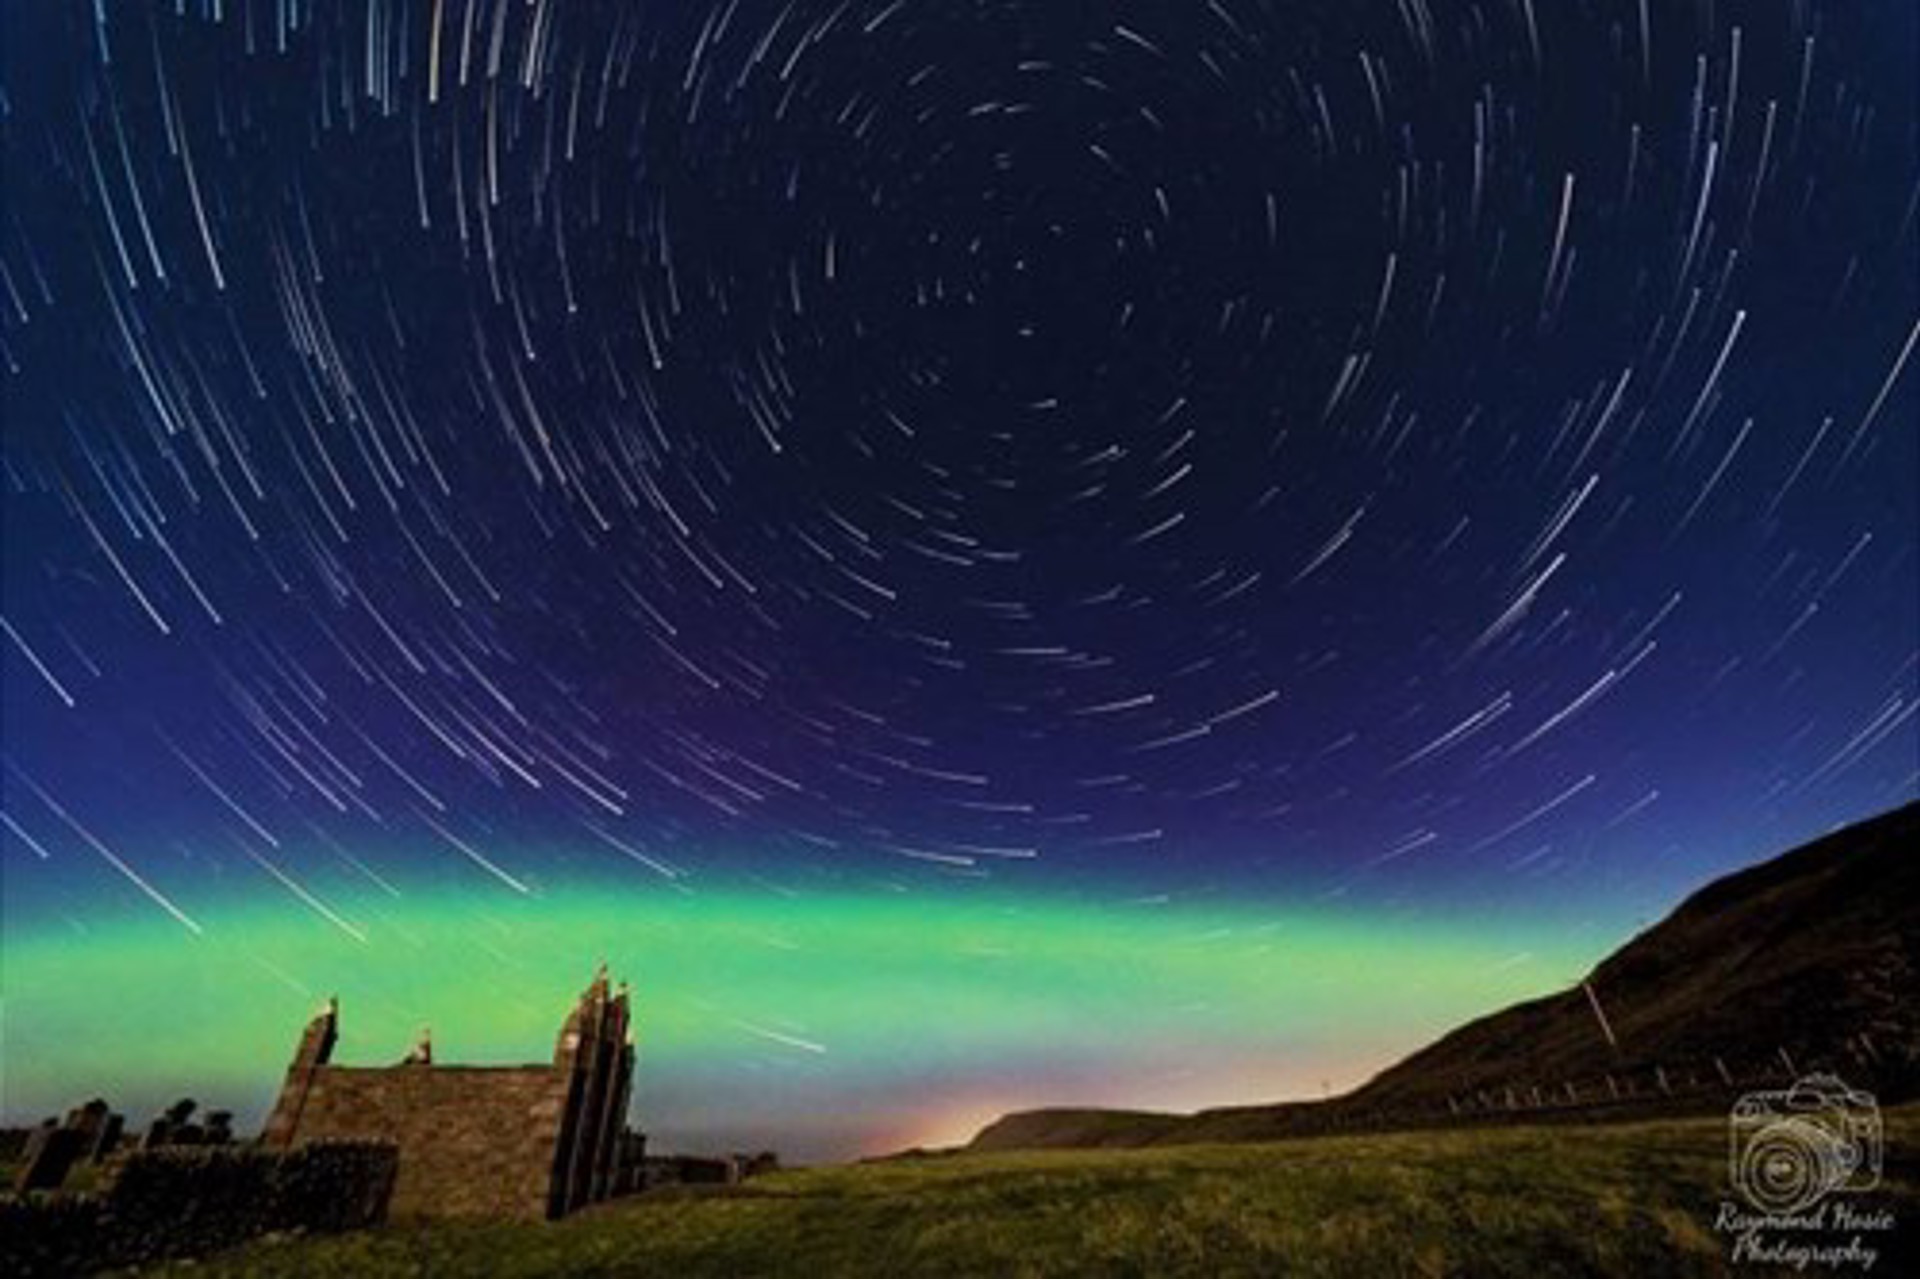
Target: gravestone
pixel 51 1153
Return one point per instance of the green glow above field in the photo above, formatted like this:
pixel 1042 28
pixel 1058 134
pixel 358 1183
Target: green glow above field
pixel 827 1023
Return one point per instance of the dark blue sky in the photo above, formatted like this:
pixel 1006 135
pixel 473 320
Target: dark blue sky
pixel 1437 452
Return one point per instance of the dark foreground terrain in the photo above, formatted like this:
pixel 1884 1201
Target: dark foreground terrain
pixel 1631 1199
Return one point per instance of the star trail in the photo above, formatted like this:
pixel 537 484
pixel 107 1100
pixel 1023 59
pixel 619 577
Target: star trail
pixel 479 471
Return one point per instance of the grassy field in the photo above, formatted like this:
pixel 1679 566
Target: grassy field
pixel 1628 1200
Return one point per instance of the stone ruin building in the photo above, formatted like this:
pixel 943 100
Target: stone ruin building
pixel 535 1141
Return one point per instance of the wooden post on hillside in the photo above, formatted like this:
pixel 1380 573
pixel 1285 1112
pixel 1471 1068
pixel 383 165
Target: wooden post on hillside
pixel 1600 1015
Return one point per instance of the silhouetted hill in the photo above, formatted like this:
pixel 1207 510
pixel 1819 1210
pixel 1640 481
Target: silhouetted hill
pixel 1805 961
pixel 1034 1129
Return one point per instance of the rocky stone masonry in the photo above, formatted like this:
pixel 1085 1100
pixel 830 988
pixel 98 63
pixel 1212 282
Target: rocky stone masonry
pixel 180 1201
pixel 500 1141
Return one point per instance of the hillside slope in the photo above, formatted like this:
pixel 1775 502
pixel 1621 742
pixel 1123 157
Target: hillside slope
pixel 1808 960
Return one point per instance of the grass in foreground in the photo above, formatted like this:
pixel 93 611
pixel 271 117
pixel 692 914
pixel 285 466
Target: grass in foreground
pixel 1629 1200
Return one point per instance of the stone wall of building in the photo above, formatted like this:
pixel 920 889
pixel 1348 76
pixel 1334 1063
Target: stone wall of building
pixel 474 1140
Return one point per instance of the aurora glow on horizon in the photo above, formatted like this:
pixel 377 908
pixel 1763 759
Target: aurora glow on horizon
pixel 844 1025
pixel 983 552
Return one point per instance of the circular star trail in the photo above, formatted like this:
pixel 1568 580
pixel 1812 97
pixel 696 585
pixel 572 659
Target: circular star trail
pixel 1415 445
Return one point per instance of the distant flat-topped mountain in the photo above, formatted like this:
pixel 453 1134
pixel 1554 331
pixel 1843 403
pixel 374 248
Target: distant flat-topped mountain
pixel 1808 961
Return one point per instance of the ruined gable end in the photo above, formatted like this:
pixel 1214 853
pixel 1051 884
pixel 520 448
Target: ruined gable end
pixel 526 1141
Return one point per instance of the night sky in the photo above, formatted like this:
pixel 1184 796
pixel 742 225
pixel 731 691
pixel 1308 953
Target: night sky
pixel 981 552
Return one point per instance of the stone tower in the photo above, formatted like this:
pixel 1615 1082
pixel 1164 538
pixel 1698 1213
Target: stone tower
pixel 313 1053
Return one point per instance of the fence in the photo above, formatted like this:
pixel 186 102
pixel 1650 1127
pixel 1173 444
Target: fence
pixel 1641 1089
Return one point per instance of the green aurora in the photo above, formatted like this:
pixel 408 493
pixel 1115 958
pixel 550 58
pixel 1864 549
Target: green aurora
pixel 824 1024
